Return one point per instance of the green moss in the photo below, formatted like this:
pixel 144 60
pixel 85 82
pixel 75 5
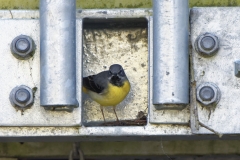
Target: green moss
pixel 16 4
pixel 139 5
pixel 90 4
pixel 206 3
pixel 120 5
pixel 34 149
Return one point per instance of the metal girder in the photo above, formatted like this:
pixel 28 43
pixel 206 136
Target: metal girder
pixel 37 123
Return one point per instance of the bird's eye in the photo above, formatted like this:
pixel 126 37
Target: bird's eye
pixel 121 72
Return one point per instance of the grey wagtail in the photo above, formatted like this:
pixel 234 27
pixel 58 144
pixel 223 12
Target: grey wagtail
pixel 108 88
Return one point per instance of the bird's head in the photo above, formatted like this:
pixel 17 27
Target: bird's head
pixel 116 75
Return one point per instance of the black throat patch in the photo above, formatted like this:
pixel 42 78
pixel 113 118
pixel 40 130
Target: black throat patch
pixel 116 81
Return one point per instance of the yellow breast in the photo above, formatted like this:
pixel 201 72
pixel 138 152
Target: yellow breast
pixel 112 96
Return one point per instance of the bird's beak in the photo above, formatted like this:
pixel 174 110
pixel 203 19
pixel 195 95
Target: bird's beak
pixel 116 77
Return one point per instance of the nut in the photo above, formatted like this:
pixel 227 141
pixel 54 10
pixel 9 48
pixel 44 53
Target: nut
pixel 207 44
pixel 208 94
pixel 237 68
pixel 23 47
pixel 21 97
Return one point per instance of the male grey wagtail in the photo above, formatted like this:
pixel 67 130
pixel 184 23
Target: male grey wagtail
pixel 108 88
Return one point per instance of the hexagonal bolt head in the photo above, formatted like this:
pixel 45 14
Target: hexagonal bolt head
pixel 21 97
pixel 23 47
pixel 237 68
pixel 208 94
pixel 207 44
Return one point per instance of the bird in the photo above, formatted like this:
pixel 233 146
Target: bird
pixel 107 88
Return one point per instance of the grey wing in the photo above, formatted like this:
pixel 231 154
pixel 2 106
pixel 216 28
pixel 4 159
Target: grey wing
pixel 96 83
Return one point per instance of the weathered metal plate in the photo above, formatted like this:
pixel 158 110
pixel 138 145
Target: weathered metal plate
pixel 72 133
pixel 165 116
pixel 219 69
pixel 16 72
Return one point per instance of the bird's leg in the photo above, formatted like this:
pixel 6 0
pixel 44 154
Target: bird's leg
pixel 114 107
pixel 101 107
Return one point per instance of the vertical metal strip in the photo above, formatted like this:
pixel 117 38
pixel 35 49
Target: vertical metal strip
pixel 58 53
pixel 170 52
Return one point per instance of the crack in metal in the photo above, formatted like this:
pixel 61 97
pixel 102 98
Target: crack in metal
pixel 11 14
pixel 31 73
